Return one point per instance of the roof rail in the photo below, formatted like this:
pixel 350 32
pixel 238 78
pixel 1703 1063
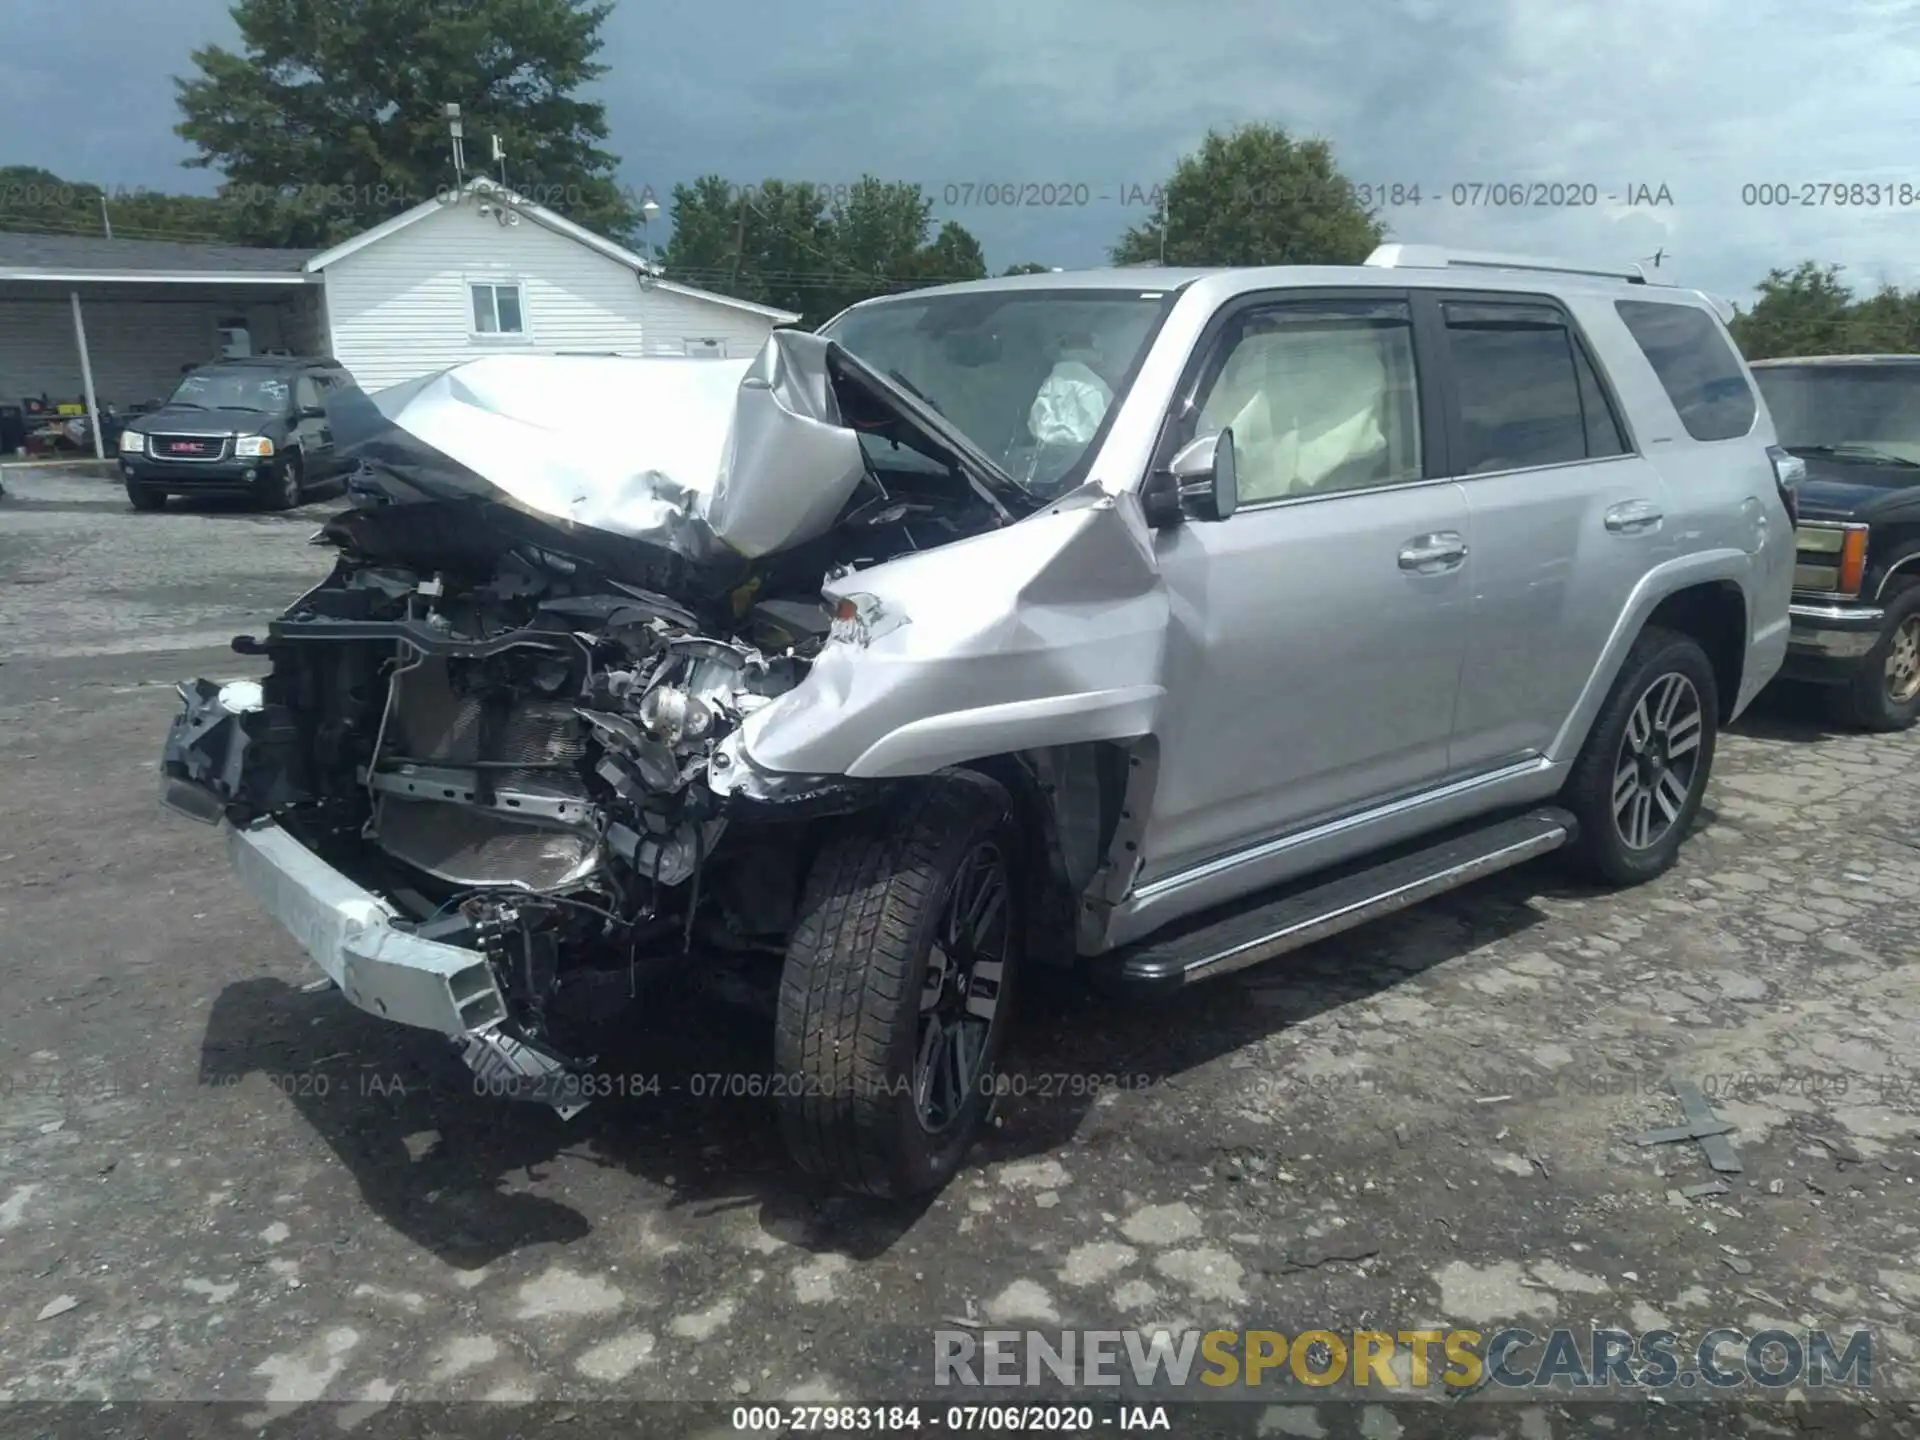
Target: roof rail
pixel 1438 257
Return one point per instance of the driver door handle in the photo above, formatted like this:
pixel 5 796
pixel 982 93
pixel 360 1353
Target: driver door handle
pixel 1631 517
pixel 1433 554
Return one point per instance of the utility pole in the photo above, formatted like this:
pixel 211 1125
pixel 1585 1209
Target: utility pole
pixel 739 239
pixel 106 221
pixel 1163 227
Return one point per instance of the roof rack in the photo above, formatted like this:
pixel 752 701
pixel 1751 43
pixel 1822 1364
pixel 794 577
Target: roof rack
pixel 1438 257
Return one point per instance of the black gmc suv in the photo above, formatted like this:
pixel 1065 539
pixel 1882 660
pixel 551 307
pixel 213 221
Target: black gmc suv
pixel 1855 421
pixel 254 427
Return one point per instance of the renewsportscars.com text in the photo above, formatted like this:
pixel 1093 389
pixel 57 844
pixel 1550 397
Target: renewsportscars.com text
pixel 1453 1360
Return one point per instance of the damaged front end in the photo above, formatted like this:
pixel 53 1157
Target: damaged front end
pixel 492 780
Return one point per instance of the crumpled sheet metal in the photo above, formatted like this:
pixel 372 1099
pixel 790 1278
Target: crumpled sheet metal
pixel 1046 632
pixel 692 454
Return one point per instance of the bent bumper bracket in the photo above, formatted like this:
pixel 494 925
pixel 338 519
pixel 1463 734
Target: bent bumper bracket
pixel 351 935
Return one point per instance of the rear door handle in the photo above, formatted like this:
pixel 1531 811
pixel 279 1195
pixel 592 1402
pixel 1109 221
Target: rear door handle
pixel 1433 554
pixel 1634 516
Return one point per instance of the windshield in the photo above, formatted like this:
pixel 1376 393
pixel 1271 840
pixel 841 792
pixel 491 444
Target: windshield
pixel 1029 376
pixel 232 390
pixel 1863 411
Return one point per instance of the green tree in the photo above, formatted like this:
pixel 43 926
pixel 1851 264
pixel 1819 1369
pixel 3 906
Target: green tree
pixel 332 117
pixel 37 200
pixel 1804 311
pixel 1886 323
pixel 1027 267
pixel 784 245
pixel 771 243
pixel 953 254
pixel 1255 196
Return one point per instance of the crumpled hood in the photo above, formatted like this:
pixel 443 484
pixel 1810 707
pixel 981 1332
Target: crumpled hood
pixel 701 456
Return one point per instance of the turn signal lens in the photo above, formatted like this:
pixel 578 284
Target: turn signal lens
pixel 1853 562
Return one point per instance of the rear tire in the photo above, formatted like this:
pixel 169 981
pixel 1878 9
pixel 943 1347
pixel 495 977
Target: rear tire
pixel 893 1007
pixel 1885 693
pixel 1640 778
pixel 145 497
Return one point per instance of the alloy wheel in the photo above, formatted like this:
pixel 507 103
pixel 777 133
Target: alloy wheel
pixel 1659 761
pixel 960 994
pixel 287 484
pixel 1903 662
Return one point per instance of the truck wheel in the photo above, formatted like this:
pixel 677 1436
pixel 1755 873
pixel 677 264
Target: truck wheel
pixel 1639 780
pixel 145 497
pixel 281 486
pixel 1885 694
pixel 895 997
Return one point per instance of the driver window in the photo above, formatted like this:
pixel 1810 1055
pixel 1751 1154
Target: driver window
pixel 1320 398
pixel 305 393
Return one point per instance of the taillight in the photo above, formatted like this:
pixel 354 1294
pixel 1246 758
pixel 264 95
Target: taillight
pixel 1788 472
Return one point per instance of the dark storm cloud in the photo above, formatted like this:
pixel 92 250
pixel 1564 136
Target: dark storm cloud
pixel 1699 96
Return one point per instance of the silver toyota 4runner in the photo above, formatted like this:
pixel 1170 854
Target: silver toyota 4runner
pixel 1153 621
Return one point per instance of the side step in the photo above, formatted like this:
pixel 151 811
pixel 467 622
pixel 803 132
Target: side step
pixel 1219 943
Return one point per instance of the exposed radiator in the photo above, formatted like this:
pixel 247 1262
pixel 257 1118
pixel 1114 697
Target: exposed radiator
pixel 532 747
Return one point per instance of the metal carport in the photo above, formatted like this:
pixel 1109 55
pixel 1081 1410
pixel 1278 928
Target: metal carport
pixel 154 307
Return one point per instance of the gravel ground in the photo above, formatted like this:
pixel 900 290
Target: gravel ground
pixel 218 1184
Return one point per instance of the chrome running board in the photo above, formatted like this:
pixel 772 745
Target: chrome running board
pixel 1219 944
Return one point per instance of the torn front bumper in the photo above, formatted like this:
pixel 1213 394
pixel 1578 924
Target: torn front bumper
pixel 209 772
pixel 387 971
pixel 348 930
pixel 350 934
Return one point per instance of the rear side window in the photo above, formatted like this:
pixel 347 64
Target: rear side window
pixel 1697 367
pixel 1528 394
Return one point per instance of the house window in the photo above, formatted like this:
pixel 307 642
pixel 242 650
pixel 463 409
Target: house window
pixel 497 310
pixel 708 349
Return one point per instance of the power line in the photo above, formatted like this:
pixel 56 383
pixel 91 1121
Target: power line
pixel 27 222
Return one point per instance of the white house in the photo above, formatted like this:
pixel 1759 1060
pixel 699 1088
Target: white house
pixel 481 271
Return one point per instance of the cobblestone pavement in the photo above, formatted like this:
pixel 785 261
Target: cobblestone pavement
pixel 217 1184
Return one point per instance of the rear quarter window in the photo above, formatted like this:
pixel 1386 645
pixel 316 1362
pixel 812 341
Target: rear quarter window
pixel 1696 365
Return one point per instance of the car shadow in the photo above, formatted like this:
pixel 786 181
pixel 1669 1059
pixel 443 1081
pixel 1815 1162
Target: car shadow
pixel 684 1105
pixel 1076 1041
pixel 1792 711
pixel 329 493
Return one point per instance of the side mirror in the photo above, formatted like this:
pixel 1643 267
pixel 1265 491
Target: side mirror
pixel 1200 484
pixel 311 412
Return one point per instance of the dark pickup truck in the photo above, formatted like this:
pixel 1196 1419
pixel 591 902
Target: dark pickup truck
pixel 1855 421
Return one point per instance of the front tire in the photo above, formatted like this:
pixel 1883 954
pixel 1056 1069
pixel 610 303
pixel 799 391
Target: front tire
pixel 283 485
pixel 1640 778
pixel 1885 693
pixel 895 996
pixel 145 497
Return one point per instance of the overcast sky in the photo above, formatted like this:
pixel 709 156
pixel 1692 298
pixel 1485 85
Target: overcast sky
pixel 1701 97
